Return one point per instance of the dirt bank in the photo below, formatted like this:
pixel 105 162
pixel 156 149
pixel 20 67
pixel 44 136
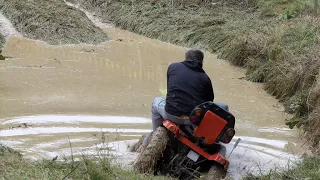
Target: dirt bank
pixel 52 21
pixel 283 53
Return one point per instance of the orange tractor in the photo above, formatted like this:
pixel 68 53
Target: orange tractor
pixel 190 151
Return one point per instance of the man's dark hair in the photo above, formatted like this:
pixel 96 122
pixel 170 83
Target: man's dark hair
pixel 194 55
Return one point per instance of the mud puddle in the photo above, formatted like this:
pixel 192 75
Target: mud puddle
pixel 96 98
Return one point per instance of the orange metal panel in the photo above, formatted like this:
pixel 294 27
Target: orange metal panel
pixel 210 127
pixel 212 157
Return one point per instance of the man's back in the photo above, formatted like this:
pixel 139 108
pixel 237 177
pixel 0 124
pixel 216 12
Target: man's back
pixel 188 86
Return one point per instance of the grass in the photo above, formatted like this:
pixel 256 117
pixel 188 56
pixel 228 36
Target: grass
pixel 2 41
pixel 288 7
pixel 307 169
pixel 13 166
pixel 276 40
pixel 51 21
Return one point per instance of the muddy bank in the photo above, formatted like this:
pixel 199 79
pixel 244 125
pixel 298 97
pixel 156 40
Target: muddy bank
pixel 51 21
pixel 281 53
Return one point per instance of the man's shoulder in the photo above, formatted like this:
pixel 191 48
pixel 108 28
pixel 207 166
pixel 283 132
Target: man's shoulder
pixel 175 64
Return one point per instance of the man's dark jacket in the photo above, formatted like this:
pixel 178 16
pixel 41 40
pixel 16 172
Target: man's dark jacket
pixel 188 86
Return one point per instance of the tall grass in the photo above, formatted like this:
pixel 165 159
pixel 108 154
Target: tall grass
pixel 2 41
pixel 95 167
pixel 52 21
pixel 307 169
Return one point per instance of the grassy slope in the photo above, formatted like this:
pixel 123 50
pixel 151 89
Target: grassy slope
pixel 52 21
pixel 278 50
pixel 307 169
pixel 12 166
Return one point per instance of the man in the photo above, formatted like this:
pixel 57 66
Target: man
pixel 187 86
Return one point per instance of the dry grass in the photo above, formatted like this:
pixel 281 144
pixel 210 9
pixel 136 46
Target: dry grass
pixel 313 134
pixel 51 21
pixel 13 166
pixel 2 40
pixel 306 169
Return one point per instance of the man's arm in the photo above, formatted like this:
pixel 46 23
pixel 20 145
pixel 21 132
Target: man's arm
pixel 168 71
pixel 210 93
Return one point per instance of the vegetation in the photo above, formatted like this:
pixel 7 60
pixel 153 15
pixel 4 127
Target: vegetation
pixel 12 166
pixel 276 40
pixel 307 169
pixel 51 21
pixel 2 40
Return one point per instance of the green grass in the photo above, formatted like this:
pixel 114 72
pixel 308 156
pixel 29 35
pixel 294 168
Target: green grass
pixel 309 169
pixel 13 166
pixel 51 21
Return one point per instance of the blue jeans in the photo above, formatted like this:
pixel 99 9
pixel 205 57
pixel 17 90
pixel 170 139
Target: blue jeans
pixel 159 115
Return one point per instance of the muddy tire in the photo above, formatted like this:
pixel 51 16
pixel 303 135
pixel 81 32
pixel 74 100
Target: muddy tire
pixel 152 152
pixel 217 171
pixel 135 147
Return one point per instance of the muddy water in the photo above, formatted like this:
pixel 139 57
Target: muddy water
pixel 99 97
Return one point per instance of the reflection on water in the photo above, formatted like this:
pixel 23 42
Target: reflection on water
pixel 52 94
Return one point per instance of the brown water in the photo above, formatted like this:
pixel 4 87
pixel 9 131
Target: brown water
pixel 76 92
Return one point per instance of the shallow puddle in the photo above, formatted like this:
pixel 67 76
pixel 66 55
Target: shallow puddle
pixel 83 96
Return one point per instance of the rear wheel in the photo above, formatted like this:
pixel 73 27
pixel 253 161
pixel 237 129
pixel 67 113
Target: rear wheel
pixel 135 147
pixel 216 172
pixel 152 152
